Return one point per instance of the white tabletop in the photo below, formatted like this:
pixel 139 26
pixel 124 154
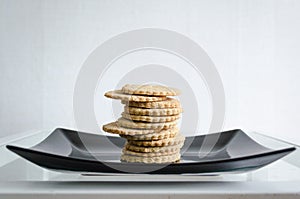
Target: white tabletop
pixel 22 179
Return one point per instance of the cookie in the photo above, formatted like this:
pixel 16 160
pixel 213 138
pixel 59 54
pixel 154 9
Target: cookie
pixel 168 103
pixel 153 90
pixel 140 154
pixel 152 112
pixel 163 134
pixel 157 160
pixel 178 139
pixel 117 94
pixel 145 118
pixel 145 125
pixel 152 149
pixel 114 128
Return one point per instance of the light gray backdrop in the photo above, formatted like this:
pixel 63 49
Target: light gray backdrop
pixel 254 44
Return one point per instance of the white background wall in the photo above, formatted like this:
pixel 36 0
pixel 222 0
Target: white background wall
pixel 254 45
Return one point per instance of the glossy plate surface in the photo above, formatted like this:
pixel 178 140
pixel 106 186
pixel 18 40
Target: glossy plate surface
pixel 229 151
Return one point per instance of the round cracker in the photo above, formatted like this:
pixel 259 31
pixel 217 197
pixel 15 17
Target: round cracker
pixel 117 94
pixel 146 125
pixel 178 139
pixel 152 112
pixel 163 134
pixel 146 118
pixel 140 154
pixel 114 128
pixel 148 160
pixel 153 149
pixel 153 90
pixel 168 103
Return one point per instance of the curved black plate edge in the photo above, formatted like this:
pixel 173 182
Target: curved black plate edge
pixel 66 130
pixel 77 131
pixel 280 153
pixel 284 150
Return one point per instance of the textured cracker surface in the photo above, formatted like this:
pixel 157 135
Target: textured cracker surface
pixel 141 154
pixel 147 118
pixel 114 128
pixel 163 134
pixel 145 125
pixel 153 149
pixel 117 94
pixel 154 90
pixel 162 159
pixel 178 139
pixel 168 103
pixel 152 112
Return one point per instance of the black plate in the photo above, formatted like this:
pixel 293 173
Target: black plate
pixel 70 150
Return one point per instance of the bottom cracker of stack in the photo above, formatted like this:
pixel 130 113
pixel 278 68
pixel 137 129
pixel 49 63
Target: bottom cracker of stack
pixel 165 150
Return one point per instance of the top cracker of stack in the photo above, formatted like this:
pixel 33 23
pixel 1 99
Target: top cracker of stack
pixel 148 123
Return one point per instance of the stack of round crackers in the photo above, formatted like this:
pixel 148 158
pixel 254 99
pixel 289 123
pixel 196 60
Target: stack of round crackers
pixel 148 123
